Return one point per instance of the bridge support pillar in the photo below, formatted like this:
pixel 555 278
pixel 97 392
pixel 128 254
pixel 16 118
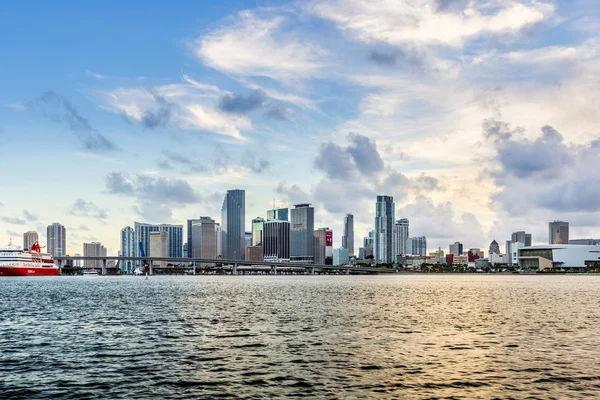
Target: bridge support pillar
pixel 194 266
pixel 234 272
pixel 103 267
pixel 151 270
pixel 312 271
pixel 60 265
pixel 347 272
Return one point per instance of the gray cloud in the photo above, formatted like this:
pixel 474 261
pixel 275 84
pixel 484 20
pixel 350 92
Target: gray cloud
pixel 360 156
pixel 450 5
pixel 163 190
pixel 364 152
pixel 294 193
pixel 255 163
pixel 238 104
pixel 545 157
pixel 186 164
pixel 386 59
pixel 82 208
pixel 13 220
pixel 334 161
pixel 60 110
pixel 278 112
pixel 13 233
pixel 83 228
pixel 29 216
pixel 160 116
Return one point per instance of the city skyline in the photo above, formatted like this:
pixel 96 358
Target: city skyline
pixel 327 107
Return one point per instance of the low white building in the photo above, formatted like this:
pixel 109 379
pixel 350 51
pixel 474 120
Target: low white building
pixel 558 256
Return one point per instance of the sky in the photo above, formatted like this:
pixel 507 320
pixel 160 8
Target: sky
pixel 479 117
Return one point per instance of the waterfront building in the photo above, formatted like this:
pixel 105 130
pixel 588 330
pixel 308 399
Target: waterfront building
pixel 475 253
pixel 174 233
pixel 521 236
pixel 348 236
pixel 302 230
pixel 128 249
pixel 29 238
pixel 341 256
pixel 233 222
pixel 280 214
pixel 557 256
pixel 417 246
pixel 494 248
pixel 437 256
pixel 276 241
pixel 94 249
pixel 384 229
pixel 56 236
pixel 257 231
pixel 456 249
pixel 324 246
pixel 254 253
pixel 558 232
pixel 202 241
pixel 513 256
pixel 585 242
pixel 247 239
pixel 400 237
pixel 159 246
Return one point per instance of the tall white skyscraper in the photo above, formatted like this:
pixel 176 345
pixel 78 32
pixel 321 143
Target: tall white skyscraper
pixel 233 225
pixel 57 239
pixel 128 249
pixel 400 237
pixel 29 238
pixel 384 229
pixel 348 236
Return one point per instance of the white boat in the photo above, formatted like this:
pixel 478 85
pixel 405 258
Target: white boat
pixel 14 261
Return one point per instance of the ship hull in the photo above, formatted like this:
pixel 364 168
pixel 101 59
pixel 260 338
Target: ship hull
pixel 28 271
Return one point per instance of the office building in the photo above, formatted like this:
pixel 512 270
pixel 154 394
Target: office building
pixel 558 232
pixel 478 252
pixel 348 236
pixel 341 256
pixel 585 242
pixel 417 246
pixel 400 237
pixel 494 248
pixel 219 240
pixel 56 236
pixel 456 249
pixel 29 238
pixel 247 240
pixel 302 231
pixel 233 225
pixel 557 256
pixel 276 241
pixel 280 214
pixel 128 249
pixel 324 246
pixel 384 229
pixel 159 246
pixel 202 240
pixel 174 234
pixel 254 253
pixel 94 249
pixel 522 237
pixel 257 231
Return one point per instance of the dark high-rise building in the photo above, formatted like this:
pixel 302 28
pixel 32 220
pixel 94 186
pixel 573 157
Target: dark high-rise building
pixel 558 232
pixel 257 231
pixel 302 230
pixel 276 241
pixel 233 231
pixel 348 236
pixel 384 229
pixel 522 237
pixel 456 249
pixel 56 236
pixel 202 241
pixel 175 238
pixel 494 248
pixel 280 214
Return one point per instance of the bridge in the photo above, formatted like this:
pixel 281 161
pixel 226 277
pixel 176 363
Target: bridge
pixel 234 264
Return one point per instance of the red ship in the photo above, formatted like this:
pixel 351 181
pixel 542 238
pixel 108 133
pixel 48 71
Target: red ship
pixel 15 261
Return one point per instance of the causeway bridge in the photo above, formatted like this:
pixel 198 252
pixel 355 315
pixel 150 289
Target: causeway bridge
pixel 232 265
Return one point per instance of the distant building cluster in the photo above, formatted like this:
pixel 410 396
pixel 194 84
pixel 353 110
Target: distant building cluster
pixel 289 235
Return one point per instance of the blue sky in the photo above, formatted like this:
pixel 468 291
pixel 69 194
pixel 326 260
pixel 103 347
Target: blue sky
pixel 479 117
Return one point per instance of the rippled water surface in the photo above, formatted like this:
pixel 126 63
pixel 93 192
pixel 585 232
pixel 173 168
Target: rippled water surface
pixel 402 336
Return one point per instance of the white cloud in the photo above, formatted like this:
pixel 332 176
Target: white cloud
pixel 420 21
pixel 255 46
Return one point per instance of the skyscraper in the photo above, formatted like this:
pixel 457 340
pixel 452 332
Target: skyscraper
pixel 159 246
pixel 417 245
pixel 521 236
pixel 29 238
pixel 57 239
pixel 348 236
pixel 456 249
pixel 324 246
pixel 94 249
pixel 175 237
pixel 202 241
pixel 219 240
pixel 277 241
pixel 128 249
pixel 257 231
pixel 494 248
pixel 384 229
pixel 233 222
pixel 558 232
pixel 400 237
pixel 280 214
pixel 302 240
